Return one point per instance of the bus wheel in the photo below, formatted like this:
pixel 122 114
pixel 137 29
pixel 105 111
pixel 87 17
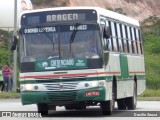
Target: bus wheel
pixel 69 107
pixel 131 102
pixel 114 94
pixel 106 107
pixel 43 109
pixel 121 104
pixel 82 107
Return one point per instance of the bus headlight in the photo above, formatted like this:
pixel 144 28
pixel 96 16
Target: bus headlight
pixel 101 83
pixel 28 87
pixel 94 84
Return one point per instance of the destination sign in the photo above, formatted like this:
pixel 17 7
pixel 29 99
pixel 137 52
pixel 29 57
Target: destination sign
pixel 65 17
pixel 58 16
pixel 39 30
pixel 62 28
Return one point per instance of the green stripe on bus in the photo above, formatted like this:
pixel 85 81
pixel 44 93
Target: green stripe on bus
pixel 124 66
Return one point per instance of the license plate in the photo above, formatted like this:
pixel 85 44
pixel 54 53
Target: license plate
pixel 92 93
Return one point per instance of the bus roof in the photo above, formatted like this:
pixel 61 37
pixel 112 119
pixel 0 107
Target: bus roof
pixel 100 11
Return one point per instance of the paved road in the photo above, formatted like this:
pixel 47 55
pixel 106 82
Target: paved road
pixel 144 109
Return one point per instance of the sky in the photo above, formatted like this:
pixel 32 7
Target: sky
pixel 7 12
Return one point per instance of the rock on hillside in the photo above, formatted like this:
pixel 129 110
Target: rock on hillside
pixel 138 9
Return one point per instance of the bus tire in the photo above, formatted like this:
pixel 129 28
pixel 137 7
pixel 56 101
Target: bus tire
pixel 69 107
pixel 131 102
pixel 42 108
pixel 114 91
pixel 106 107
pixel 121 104
pixel 82 107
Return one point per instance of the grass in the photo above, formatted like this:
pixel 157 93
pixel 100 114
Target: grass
pixel 9 95
pixel 152 63
pixel 151 93
pixel 148 98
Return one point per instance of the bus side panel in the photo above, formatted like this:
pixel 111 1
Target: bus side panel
pixel 125 68
pixel 124 88
pixel 136 68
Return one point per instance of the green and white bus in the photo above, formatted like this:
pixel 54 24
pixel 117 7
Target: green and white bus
pixel 78 57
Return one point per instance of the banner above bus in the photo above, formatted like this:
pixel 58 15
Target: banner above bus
pixel 58 16
pixel 52 64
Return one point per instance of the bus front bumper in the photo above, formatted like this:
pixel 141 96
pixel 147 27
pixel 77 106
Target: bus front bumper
pixel 63 97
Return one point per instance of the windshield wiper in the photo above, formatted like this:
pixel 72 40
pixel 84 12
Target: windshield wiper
pixel 73 35
pixel 47 34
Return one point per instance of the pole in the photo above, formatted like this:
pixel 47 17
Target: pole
pixel 9 46
pixel 15 51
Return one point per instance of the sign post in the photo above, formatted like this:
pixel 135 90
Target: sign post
pixel 15 51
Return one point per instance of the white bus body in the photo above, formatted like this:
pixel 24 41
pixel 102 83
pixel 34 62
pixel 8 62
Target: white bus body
pixel 74 77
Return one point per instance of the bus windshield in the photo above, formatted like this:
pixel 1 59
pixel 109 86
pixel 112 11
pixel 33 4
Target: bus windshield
pixel 60 42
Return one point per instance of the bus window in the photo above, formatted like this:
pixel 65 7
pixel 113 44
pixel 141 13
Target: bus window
pixel 107 42
pixel 126 32
pixel 134 40
pixel 130 46
pixel 86 43
pixel 115 44
pixel 119 38
pixel 113 29
pixel 114 37
pixel 111 38
pixel 123 37
pixel 125 46
pixel 129 40
pixel 139 36
pixel 22 48
pixel 138 42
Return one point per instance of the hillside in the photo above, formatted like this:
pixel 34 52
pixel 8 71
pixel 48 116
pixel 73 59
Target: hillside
pixel 138 9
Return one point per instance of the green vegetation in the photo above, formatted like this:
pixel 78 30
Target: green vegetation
pixel 3 56
pixel 151 40
pixel 151 93
pixel 152 61
pixel 6 95
pixel 148 98
pixel 4 46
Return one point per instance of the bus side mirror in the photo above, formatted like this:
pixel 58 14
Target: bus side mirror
pixel 106 32
pixel 14 43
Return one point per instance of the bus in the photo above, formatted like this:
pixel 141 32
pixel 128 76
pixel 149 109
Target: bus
pixel 78 57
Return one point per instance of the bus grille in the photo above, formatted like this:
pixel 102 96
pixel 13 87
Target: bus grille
pixel 62 96
pixel 61 86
